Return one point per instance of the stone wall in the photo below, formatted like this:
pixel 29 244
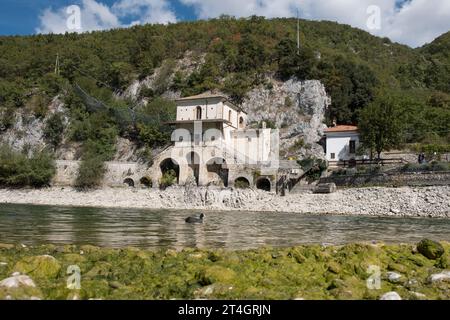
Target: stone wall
pixel 118 173
pixel 391 179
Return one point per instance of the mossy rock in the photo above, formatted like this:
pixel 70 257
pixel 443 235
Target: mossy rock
pixel 443 262
pixel 334 267
pixel 431 249
pixel 39 266
pixel 297 255
pixel 100 270
pixel 73 259
pixel 215 274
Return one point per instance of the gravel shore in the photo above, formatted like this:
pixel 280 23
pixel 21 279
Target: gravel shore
pixel 402 202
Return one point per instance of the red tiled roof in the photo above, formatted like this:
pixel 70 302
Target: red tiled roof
pixel 344 128
pixel 202 96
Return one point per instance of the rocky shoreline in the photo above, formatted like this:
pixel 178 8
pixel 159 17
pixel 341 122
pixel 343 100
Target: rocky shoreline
pixel 396 202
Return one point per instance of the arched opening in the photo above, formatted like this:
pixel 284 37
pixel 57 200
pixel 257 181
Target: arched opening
pixel 193 161
pixel 264 184
pixel 241 183
pixel 146 182
pixel 218 171
pixel 241 123
pixel 129 182
pixel 199 113
pixel 170 172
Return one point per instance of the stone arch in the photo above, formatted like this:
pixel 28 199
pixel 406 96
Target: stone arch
pixel 193 160
pixel 242 183
pixel 146 182
pixel 264 184
pixel 218 166
pixel 168 165
pixel 129 182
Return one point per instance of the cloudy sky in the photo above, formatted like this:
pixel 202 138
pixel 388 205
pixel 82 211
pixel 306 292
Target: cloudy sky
pixel 412 22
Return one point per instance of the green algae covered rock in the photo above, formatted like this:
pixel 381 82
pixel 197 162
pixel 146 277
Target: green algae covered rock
pixel 306 272
pixel 215 274
pixel 39 266
pixel 431 249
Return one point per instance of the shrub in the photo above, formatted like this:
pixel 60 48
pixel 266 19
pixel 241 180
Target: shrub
pixel 18 170
pixel 241 184
pixel 428 167
pixel 54 129
pixel 168 179
pixel 90 173
pixel 313 167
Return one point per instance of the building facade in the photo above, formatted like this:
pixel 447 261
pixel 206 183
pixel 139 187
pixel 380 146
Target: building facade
pixel 212 145
pixel 342 143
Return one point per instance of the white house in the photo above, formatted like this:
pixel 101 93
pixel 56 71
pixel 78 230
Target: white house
pixel 342 143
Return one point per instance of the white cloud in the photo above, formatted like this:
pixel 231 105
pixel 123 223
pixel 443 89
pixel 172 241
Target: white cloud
pixel 95 15
pixel 147 11
pixel 415 23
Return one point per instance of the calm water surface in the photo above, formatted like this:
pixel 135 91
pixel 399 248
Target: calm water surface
pixel 234 230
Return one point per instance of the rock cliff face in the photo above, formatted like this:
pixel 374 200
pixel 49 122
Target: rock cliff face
pixel 27 131
pixel 297 108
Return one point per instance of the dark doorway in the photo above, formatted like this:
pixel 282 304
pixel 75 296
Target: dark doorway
pixel 264 184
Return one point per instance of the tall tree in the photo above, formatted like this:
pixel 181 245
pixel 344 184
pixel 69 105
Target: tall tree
pixel 380 126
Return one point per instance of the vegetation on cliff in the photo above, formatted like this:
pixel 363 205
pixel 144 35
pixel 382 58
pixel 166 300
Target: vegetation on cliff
pixel 304 272
pixel 239 54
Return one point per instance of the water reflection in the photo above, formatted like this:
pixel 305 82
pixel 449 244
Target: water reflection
pixel 232 230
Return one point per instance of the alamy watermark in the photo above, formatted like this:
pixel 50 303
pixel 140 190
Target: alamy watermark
pixel 73 22
pixel 74 279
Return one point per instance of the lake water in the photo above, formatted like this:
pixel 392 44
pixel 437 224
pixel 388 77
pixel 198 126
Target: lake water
pixel 35 225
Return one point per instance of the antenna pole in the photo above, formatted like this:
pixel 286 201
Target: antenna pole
pixel 298 33
pixel 57 69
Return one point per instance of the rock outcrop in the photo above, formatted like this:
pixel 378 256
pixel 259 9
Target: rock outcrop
pixel 297 108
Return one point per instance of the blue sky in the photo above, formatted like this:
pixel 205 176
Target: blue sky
pixel 21 17
pixel 412 22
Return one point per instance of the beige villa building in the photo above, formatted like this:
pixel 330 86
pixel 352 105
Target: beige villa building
pixel 212 145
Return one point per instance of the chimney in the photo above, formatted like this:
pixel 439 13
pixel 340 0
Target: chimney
pixel 264 125
pixel 334 122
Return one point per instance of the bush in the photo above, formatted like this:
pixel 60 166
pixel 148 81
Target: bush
pixel 241 184
pixel 313 167
pixel 168 179
pixel 90 173
pixel 18 170
pixel 54 129
pixel 428 167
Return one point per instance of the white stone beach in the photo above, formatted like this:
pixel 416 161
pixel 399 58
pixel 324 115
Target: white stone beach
pixel 397 202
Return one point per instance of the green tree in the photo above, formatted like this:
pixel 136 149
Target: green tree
pixel 54 129
pixel 380 126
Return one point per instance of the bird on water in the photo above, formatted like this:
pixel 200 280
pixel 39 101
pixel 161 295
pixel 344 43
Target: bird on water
pixel 197 219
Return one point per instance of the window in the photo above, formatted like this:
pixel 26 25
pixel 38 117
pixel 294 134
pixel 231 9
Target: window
pixel 241 123
pixel 229 115
pixel 333 156
pixel 199 113
pixel 213 138
pixel 180 139
pixel 352 147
